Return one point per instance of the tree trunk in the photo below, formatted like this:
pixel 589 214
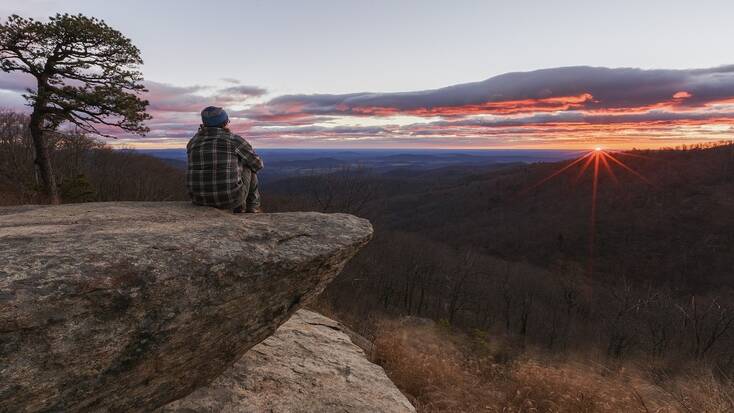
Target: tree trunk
pixel 42 158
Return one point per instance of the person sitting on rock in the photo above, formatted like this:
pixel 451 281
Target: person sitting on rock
pixel 222 166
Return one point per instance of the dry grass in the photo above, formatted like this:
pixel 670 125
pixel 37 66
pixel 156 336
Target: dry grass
pixel 428 367
pixel 443 371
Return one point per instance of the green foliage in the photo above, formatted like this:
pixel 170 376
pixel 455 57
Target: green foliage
pixel 87 72
pixel 77 189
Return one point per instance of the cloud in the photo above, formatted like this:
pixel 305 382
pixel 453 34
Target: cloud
pixel 12 87
pixel 165 97
pixel 258 132
pixel 13 101
pixel 16 81
pixel 577 117
pixel 546 90
pixel 242 91
pixel 237 95
pixel 171 98
pixel 552 107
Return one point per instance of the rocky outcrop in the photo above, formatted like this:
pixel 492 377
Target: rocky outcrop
pixel 308 365
pixel 129 306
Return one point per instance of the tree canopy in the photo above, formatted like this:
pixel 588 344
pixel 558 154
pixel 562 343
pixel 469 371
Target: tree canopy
pixel 87 72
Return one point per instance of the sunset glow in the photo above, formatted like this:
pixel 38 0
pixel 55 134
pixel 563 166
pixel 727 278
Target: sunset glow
pixel 516 110
pixel 410 86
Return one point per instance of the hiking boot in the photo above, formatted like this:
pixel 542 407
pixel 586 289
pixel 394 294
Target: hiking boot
pixel 257 210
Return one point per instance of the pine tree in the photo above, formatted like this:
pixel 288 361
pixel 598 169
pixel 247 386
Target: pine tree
pixel 86 75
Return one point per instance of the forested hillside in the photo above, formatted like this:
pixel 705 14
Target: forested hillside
pixel 494 250
pixel 86 169
pixel 530 311
pixel 673 226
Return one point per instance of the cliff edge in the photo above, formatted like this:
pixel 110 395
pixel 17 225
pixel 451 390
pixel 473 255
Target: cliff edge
pixel 308 365
pixel 129 306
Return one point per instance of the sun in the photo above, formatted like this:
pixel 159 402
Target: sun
pixel 596 160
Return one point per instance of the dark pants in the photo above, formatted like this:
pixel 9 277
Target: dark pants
pixel 250 192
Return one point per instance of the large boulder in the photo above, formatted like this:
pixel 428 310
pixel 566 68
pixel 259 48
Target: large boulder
pixel 309 365
pixel 128 306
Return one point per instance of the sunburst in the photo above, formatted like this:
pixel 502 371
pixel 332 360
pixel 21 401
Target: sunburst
pixel 595 160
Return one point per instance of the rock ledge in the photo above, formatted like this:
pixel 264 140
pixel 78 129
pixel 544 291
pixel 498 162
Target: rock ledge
pixel 128 306
pixel 308 365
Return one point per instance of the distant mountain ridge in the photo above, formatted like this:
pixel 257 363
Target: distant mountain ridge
pixel 283 163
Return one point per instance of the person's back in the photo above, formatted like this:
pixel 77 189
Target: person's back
pixel 222 166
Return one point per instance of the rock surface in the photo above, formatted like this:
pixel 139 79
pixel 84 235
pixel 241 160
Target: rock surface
pixel 128 306
pixel 308 365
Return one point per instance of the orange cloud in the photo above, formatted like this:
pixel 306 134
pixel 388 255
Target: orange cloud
pixel 509 107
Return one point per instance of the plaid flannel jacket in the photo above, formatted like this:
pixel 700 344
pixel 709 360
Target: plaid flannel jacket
pixel 216 157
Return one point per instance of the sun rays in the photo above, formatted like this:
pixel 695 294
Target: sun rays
pixel 597 161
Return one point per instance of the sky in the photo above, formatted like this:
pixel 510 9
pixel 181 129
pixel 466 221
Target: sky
pixel 429 74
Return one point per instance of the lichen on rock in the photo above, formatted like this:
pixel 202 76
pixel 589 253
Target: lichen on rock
pixel 128 306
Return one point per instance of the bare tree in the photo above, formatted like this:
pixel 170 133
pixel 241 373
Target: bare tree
pixel 707 324
pixel 16 153
pixel 458 282
pixel 346 189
